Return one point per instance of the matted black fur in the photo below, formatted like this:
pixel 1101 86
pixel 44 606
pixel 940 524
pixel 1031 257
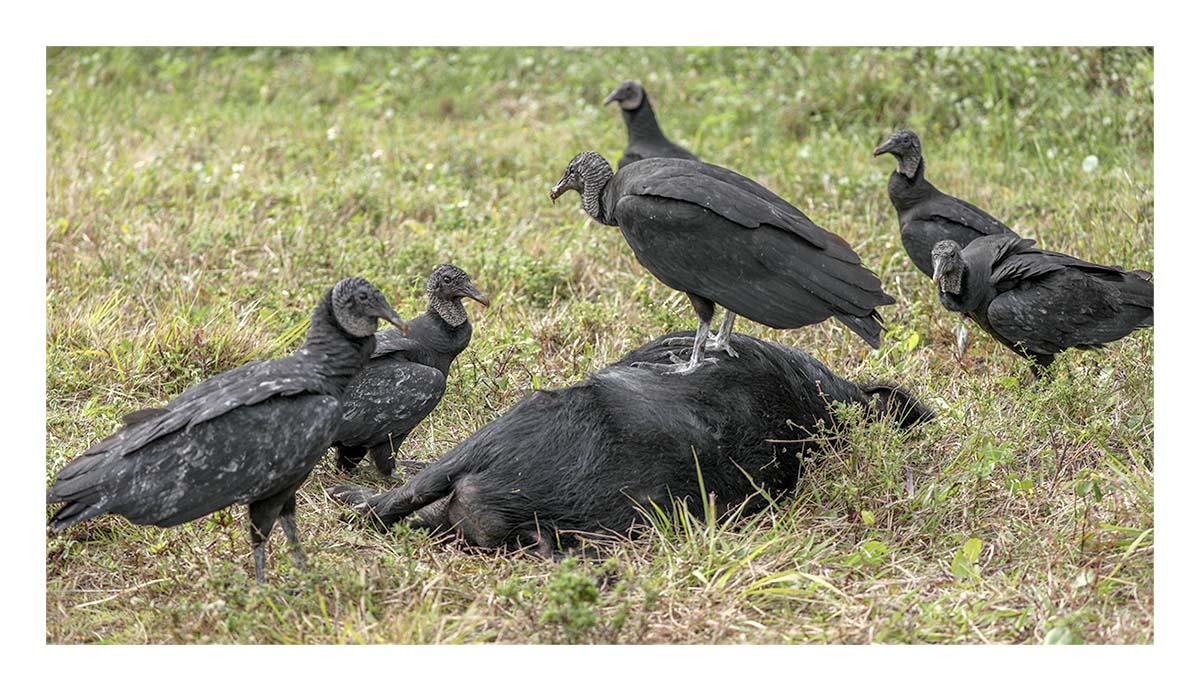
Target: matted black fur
pixel 582 458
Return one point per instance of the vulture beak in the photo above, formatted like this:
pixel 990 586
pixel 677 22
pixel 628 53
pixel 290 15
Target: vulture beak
pixel 473 293
pixel 558 189
pixel 613 96
pixel 390 315
pixel 939 270
pixel 884 148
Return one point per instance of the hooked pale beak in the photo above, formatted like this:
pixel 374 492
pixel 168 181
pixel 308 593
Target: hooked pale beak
pixel 884 148
pixel 939 270
pixel 613 96
pixel 558 189
pixel 474 294
pixel 391 316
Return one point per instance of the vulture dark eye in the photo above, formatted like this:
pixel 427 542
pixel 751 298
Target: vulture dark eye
pixel 445 279
pixel 362 296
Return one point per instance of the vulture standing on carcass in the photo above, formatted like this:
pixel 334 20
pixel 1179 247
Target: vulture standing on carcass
pixel 726 240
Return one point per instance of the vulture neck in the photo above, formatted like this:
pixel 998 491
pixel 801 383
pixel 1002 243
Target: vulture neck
pixel 450 311
pixel 641 124
pixel 331 351
pixel 439 342
pixel 594 183
pixel 968 292
pixel 906 192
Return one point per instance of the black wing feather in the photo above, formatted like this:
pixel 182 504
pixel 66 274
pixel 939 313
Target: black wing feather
pixel 390 396
pixel 166 482
pixel 771 279
pixel 731 196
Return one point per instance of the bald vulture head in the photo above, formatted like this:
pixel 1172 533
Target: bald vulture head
pixel 906 147
pixel 358 306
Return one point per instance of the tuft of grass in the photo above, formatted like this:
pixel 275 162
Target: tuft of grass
pixel 200 200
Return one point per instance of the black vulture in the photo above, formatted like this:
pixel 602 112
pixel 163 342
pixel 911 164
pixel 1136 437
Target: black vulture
pixel 927 215
pixel 646 140
pixel 726 240
pixel 1039 303
pixel 406 377
pixel 584 458
pixel 250 435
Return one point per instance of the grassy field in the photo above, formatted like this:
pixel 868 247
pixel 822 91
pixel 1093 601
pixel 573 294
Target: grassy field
pixel 200 201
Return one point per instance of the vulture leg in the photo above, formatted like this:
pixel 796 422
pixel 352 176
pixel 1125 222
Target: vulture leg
pixel 1041 365
pixel 262 520
pixel 348 457
pixel 381 456
pixel 704 309
pixel 960 341
pixel 721 342
pixel 679 365
pixel 287 519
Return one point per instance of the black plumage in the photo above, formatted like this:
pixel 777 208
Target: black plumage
pixel 250 435
pixel 406 377
pixel 726 240
pixel 1039 303
pixel 582 459
pixel 646 139
pixel 927 215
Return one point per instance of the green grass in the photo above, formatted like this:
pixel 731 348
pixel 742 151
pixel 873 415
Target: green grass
pixel 199 202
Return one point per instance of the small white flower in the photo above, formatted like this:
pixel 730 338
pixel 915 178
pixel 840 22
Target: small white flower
pixel 1090 163
pixel 331 133
pixel 239 167
pixel 1051 153
pixel 389 113
pixel 377 153
pixel 197 167
pixel 463 204
pixel 428 166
